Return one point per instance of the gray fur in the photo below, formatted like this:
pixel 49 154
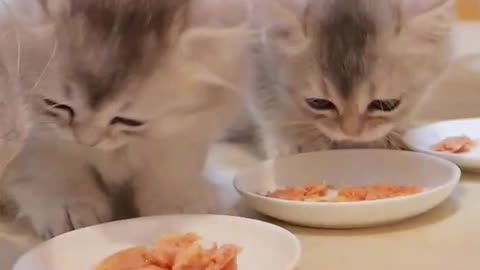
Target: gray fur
pixel 126 37
pixel 345 37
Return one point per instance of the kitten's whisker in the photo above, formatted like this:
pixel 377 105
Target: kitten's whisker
pixel 17 37
pixel 298 123
pixel 19 52
pixel 50 60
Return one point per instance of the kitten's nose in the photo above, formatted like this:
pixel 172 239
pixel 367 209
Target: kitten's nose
pixel 352 121
pixel 352 127
pixel 88 135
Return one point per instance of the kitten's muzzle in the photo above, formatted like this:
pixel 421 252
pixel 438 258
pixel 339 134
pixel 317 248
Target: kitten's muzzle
pixel 352 127
pixel 88 135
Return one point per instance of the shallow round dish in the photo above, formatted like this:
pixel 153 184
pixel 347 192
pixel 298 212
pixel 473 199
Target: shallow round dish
pixel 349 168
pixel 265 246
pixel 422 139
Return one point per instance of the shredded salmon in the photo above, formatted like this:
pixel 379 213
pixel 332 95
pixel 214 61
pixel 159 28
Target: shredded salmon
pixel 174 253
pixel 307 193
pixel 319 193
pixel 455 145
pixel 133 258
pixel 375 192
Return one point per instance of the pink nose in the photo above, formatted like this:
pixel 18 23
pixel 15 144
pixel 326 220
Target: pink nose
pixel 88 135
pixel 352 127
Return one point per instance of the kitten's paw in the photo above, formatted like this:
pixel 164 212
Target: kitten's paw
pixel 394 141
pixel 279 150
pixel 196 198
pixel 71 216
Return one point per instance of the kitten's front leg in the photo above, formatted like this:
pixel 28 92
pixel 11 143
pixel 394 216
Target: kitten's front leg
pixel 55 189
pixel 276 146
pixel 392 140
pixel 171 179
pixel 168 194
pixel 281 144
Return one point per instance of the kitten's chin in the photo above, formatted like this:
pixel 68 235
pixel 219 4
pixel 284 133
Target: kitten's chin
pixel 104 146
pixel 365 137
pixel 110 146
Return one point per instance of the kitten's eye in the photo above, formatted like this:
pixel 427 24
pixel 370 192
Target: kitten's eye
pixel 320 104
pixel 49 102
pixel 387 105
pixel 57 106
pixel 127 122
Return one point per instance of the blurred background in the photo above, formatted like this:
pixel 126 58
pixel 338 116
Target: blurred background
pixel 459 93
pixel 468 10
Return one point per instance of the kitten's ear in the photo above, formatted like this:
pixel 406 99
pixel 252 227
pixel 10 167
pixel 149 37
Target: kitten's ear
pixel 217 56
pixel 432 19
pixel 216 40
pixel 281 22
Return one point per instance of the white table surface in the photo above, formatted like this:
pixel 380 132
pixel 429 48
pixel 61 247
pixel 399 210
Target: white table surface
pixel 446 238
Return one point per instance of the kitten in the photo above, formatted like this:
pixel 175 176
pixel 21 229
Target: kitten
pixel 344 73
pixel 134 95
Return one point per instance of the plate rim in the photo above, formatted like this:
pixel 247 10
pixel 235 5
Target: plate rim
pixel 293 238
pixel 455 158
pixel 451 183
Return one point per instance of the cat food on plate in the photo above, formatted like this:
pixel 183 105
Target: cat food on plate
pixel 174 253
pixel 455 145
pixel 322 193
pixel 375 192
pixel 306 193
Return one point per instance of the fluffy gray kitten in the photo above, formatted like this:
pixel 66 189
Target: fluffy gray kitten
pixel 133 94
pixel 344 73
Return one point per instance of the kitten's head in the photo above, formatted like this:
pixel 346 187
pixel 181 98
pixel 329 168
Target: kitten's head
pixel 125 69
pixel 358 68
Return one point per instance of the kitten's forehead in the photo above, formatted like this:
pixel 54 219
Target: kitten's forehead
pixel 344 33
pixel 107 43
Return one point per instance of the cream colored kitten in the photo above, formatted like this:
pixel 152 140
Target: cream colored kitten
pixel 344 73
pixel 134 95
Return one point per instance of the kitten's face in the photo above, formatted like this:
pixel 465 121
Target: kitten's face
pixel 123 67
pixel 364 68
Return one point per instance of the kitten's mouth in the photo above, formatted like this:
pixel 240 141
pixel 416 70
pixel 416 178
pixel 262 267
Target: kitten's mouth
pixel 359 139
pixel 348 145
pixel 362 139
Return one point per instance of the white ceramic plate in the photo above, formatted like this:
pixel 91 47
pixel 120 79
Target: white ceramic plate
pixel 423 138
pixel 346 168
pixel 265 246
